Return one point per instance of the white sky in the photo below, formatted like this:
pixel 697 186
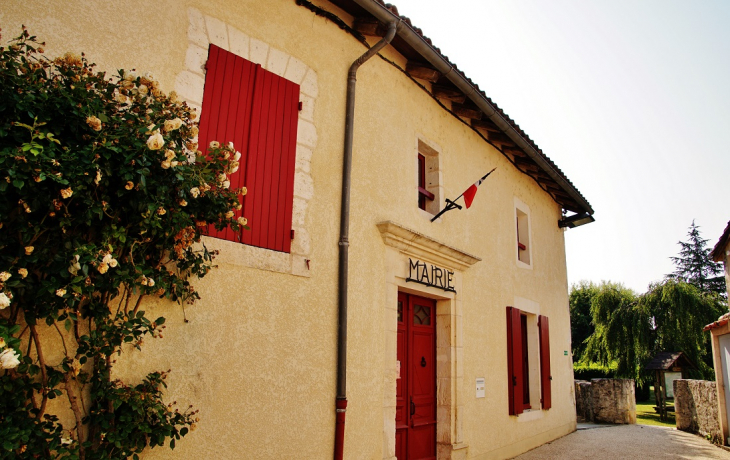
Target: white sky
pixel 630 98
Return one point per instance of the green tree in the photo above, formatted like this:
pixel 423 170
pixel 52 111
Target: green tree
pixel 581 321
pixel 678 312
pixel 695 266
pixel 104 197
pixel 619 336
pixel 630 329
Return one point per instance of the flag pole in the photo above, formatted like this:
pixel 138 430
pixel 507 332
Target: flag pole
pixel 451 204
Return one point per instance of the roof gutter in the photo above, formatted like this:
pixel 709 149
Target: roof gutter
pixel 341 399
pixel 442 65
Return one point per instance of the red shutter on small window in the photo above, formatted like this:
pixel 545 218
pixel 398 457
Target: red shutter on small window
pixel 545 377
pixel 257 111
pixel 514 361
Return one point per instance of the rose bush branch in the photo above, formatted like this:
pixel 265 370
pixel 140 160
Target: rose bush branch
pixel 104 199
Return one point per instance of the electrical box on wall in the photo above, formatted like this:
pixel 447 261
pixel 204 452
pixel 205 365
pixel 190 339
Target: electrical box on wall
pixel 480 388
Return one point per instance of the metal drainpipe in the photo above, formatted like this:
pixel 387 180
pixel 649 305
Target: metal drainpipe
pixel 341 401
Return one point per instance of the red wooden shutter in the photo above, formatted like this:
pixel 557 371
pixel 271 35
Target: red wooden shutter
pixel 257 111
pixel 545 377
pixel 270 162
pixel 514 361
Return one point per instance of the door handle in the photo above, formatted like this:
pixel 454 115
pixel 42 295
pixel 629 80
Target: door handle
pixel 413 407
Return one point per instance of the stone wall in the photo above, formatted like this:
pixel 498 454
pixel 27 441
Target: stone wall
pixel 583 401
pixel 695 408
pixel 606 401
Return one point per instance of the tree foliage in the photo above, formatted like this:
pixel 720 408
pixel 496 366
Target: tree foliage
pixel 581 321
pixel 695 266
pixel 104 198
pixel 631 329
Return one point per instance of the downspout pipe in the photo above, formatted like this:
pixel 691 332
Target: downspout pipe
pixel 341 400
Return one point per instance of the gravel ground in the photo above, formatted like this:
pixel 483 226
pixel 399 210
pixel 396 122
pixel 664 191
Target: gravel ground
pixel 616 442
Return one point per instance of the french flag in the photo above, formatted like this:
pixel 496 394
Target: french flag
pixel 472 190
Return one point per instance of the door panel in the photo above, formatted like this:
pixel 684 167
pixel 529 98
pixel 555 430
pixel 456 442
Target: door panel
pixel 416 389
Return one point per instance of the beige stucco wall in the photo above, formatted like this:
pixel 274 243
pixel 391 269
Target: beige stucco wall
pixel 258 356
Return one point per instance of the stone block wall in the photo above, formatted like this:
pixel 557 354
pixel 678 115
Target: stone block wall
pixel 695 408
pixel 606 401
pixel 583 401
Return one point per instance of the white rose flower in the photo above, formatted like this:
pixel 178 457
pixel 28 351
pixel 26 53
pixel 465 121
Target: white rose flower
pixel 4 276
pixel 195 191
pixel 150 282
pixel 98 177
pixel 214 144
pixel 113 263
pixel 4 301
pixel 9 359
pixel 2 343
pixel 226 184
pixel 166 164
pixel 172 125
pixel 242 220
pixel 230 146
pixel 229 214
pixel 155 141
pixel 61 292
pixel 103 267
pixel 237 156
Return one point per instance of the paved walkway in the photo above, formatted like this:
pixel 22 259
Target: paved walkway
pixel 616 442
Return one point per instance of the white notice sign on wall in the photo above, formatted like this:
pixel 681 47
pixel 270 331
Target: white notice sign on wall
pixel 480 388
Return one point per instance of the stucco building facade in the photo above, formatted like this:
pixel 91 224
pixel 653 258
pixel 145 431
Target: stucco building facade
pixel 458 330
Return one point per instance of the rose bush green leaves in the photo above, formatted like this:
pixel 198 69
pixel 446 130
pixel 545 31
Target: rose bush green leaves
pixel 104 197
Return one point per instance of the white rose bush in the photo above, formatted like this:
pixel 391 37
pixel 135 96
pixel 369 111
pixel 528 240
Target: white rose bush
pixel 104 197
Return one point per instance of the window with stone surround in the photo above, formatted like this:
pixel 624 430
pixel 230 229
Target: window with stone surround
pixel 528 361
pixel 257 110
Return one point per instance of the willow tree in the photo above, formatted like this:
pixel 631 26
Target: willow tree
pixel 621 330
pixel 630 329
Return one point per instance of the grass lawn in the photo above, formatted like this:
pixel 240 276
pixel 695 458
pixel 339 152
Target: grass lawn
pixel 646 415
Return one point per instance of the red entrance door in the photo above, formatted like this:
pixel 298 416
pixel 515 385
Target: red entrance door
pixel 415 417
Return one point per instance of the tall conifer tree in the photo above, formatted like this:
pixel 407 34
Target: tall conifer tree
pixel 695 266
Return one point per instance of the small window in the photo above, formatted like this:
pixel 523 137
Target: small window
pixel 429 178
pixel 522 232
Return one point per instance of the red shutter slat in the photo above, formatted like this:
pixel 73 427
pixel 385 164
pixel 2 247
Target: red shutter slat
pixel 249 205
pixel 545 377
pixel 213 99
pixel 242 120
pixel 289 146
pixel 514 361
pixel 263 88
pixel 271 172
pixel 229 107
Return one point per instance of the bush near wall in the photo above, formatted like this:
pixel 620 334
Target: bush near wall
pixel 588 371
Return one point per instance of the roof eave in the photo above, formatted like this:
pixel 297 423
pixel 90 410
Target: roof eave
pixel 437 60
